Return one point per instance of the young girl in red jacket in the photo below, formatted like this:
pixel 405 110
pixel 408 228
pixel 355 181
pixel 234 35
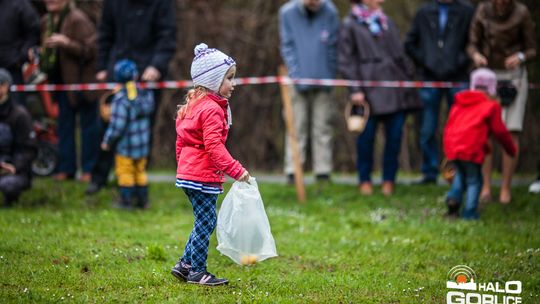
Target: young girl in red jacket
pixel 202 125
pixel 474 116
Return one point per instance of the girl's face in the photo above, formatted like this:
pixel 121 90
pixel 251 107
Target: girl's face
pixel 227 86
pixel 373 4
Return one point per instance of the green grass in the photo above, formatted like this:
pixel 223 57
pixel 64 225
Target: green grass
pixel 59 246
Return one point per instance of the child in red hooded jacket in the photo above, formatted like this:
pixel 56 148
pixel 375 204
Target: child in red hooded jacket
pixel 202 126
pixel 474 116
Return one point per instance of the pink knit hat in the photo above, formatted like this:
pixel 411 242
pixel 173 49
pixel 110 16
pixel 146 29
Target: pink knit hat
pixel 485 80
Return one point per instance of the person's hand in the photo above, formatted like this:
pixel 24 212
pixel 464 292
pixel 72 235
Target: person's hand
pixel 151 74
pixel 358 98
pixel 32 54
pixel 104 146
pixel 7 167
pixel 101 76
pixel 57 40
pixel 512 62
pixel 244 177
pixel 479 60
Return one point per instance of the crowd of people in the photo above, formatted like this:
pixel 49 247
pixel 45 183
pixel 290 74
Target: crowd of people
pixel 69 48
pixel 447 40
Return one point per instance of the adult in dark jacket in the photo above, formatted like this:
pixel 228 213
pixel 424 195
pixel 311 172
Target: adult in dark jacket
pixel 68 56
pixel 437 44
pixel 502 38
pixel 17 144
pixel 143 31
pixel 19 32
pixel 370 49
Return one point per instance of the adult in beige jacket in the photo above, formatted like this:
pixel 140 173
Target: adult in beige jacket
pixel 502 38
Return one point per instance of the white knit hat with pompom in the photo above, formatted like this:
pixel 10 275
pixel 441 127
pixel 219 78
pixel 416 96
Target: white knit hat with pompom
pixel 484 79
pixel 209 67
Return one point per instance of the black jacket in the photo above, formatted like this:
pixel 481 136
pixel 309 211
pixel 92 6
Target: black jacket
pixel 141 30
pixel 17 138
pixel 19 30
pixel 441 56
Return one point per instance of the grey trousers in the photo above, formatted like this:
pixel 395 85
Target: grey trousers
pixel 322 110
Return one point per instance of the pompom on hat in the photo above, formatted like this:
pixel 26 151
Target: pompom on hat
pixel 209 67
pixel 484 79
pixel 125 70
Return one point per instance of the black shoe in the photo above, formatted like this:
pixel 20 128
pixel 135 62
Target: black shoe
pixel 426 181
pixel 143 205
pixel 121 204
pixel 322 178
pixel 453 208
pixel 180 272
pixel 205 278
pixel 290 179
pixel 92 188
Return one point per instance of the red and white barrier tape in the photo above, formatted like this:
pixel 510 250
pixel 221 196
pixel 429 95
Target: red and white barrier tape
pixel 181 84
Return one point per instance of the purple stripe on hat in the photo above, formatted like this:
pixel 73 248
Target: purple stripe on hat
pixel 208 51
pixel 229 61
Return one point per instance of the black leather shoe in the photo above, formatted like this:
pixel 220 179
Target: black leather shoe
pixel 92 189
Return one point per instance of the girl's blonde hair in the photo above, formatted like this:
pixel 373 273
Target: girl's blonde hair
pixel 192 96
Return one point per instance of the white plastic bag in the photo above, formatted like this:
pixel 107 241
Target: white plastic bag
pixel 243 230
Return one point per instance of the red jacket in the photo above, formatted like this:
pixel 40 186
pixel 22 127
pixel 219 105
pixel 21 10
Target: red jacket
pixel 473 117
pixel 200 143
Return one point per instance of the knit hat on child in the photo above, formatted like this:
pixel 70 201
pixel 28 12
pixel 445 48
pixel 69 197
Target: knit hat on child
pixel 209 67
pixel 125 70
pixel 484 79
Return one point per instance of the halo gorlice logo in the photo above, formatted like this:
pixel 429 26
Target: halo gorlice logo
pixel 463 278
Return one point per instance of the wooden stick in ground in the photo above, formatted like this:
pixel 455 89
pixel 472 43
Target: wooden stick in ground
pixel 293 138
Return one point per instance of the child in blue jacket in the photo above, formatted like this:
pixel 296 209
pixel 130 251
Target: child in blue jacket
pixel 129 135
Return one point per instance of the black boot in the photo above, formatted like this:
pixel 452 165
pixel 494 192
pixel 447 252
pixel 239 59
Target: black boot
pixel 453 208
pixel 126 196
pixel 9 200
pixel 142 197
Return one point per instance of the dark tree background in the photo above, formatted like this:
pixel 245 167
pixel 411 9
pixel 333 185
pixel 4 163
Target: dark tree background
pixel 248 31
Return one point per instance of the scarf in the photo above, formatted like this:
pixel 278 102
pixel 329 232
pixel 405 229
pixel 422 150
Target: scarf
pixel 505 12
pixel 49 56
pixel 376 20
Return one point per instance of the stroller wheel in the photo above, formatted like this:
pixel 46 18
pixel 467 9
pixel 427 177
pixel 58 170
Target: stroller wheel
pixel 46 160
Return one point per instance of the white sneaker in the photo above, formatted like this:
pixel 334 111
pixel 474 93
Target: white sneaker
pixel 535 187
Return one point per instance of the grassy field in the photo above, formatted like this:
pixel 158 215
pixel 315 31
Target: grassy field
pixel 59 246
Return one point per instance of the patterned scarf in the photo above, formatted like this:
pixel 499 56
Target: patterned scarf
pixel 376 20
pixel 49 56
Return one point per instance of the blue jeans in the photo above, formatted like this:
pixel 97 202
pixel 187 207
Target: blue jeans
pixel 431 100
pixel 468 179
pixel 393 127
pixel 89 123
